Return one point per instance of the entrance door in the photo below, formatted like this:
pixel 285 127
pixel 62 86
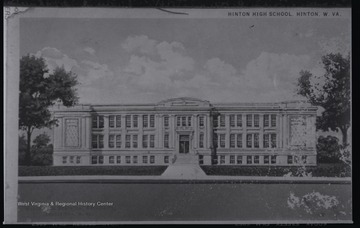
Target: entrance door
pixel 184 144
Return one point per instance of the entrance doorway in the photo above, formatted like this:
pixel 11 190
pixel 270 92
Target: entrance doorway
pixel 184 144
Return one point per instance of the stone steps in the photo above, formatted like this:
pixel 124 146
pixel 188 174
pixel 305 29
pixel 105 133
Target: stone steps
pixel 186 159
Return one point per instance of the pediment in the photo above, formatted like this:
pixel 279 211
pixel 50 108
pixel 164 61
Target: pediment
pixel 184 101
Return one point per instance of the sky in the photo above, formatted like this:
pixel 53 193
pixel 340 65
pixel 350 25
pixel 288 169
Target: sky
pixel 219 60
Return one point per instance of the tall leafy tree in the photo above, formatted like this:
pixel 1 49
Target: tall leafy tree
pixel 333 94
pixel 40 90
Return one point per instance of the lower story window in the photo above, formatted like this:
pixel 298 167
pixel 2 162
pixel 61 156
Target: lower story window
pixel 248 159
pixel 135 159
pixel 201 159
pixel 101 159
pixel 273 159
pixel 78 159
pixel 93 159
pixel 166 159
pixel 232 159
pixel 266 159
pixel 127 159
pixel 111 159
pixel 222 159
pixel 256 159
pixel 152 159
pixel 64 160
pixel 239 159
pixel 71 159
pixel 145 159
pixel 97 159
pixel 290 159
pixel 118 159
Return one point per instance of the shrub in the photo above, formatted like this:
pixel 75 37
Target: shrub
pixel 328 149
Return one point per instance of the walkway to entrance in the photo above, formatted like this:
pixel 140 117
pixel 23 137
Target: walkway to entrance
pixel 185 166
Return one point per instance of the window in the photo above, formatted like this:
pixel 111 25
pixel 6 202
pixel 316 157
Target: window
pixel 201 159
pixel 239 140
pixel 98 122
pixel 152 141
pixel 290 159
pixel 239 120
pixel 256 159
pixel 222 120
pixel 232 140
pixel 166 121
pixel 135 159
pixel 266 159
pixel 215 140
pixel 215 122
pixel 239 159
pixel 183 121
pixel 273 140
pixel 145 141
pixel 127 159
pixel 222 140
pixel 118 141
pixel 256 120
pixel 201 121
pixel 111 160
pixel 303 159
pixel 232 159
pixel 266 140
pixel 273 120
pixel 111 121
pixel 256 140
pixel 128 121
pixel 189 120
pixel 232 120
pixel 166 140
pixel 152 120
pixel 273 159
pixel 266 120
pixel 135 141
pixel 64 159
pixel 97 141
pixel 111 141
pixel 118 121
pixel 178 121
pixel 152 159
pixel 135 121
pixel 248 159
pixel 145 159
pixel 166 159
pixel 93 159
pixel 127 141
pixel 101 159
pixel 78 159
pixel 201 140
pixel 118 159
pixel 249 120
pixel 249 140
pixel 222 159
pixel 145 121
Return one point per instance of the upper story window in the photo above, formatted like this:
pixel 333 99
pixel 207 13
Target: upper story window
pixel 152 120
pixel 97 141
pixel 166 121
pixel 232 120
pixel 273 120
pixel 145 141
pixel 256 120
pixel 128 121
pixel 152 141
pixel 135 121
pixel 145 121
pixel 239 140
pixel 222 120
pixel 166 140
pixel 266 120
pixel 249 140
pixel 127 141
pixel 135 141
pixel 215 122
pixel 118 121
pixel 249 120
pixel 239 120
pixel 256 140
pixel 184 121
pixel 114 121
pixel 98 121
pixel 270 140
pixel 201 121
pixel 189 120
pixel 222 140
pixel 111 121
pixel 201 140
pixel 232 140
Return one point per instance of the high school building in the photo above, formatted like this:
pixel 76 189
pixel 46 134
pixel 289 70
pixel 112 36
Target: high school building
pixel 270 134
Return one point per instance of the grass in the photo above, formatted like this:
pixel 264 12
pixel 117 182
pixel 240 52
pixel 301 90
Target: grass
pixel 90 170
pixel 321 170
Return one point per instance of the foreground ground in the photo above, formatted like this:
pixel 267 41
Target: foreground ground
pixel 321 170
pixel 237 203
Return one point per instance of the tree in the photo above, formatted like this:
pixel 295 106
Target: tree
pixel 40 90
pixel 333 94
pixel 328 149
pixel 41 151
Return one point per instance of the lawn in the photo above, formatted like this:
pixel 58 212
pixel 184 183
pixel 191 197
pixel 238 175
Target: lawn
pixel 90 170
pixel 321 170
